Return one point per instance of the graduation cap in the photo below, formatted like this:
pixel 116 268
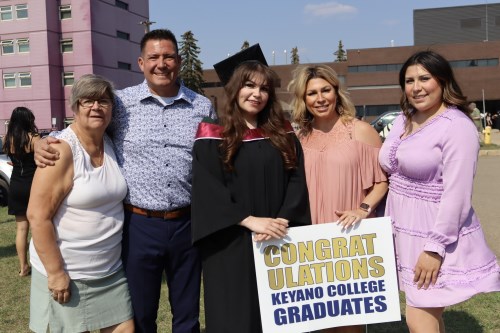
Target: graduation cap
pixel 226 67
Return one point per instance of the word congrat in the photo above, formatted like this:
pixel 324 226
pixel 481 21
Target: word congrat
pixel 321 261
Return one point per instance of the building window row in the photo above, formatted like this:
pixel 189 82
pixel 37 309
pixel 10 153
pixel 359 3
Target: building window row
pixel 397 67
pixel 470 23
pixel 374 68
pixel 476 23
pixel 23 79
pixel 13 80
pixel 9 46
pixel 474 63
pixel 65 12
pixel 20 12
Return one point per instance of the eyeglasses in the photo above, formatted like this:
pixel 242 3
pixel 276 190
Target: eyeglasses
pixel 88 103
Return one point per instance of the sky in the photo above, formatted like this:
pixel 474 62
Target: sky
pixel 314 27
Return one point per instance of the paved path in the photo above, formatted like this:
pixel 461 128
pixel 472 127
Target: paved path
pixel 486 199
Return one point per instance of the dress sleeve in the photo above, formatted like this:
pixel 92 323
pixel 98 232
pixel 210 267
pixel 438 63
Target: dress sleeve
pixel 295 206
pixel 371 171
pixel 460 150
pixel 212 208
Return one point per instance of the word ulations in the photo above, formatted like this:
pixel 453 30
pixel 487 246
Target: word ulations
pixel 321 276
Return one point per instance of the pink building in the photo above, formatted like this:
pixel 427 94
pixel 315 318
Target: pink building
pixel 46 45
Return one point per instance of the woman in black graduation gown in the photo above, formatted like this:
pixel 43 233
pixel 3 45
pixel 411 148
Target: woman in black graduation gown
pixel 248 175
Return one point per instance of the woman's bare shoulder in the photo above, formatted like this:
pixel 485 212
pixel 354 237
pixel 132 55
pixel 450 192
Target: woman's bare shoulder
pixel 365 133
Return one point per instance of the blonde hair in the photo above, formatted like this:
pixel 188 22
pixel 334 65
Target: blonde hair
pixel 301 116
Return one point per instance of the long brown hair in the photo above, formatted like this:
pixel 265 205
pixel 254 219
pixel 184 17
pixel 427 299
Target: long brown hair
pixel 440 69
pixel 271 120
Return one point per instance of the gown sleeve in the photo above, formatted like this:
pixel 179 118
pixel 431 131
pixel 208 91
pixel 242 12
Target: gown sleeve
pixel 211 199
pixel 460 150
pixel 295 206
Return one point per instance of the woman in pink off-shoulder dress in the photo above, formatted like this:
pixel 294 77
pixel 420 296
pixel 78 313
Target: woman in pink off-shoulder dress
pixel 343 175
pixel 430 156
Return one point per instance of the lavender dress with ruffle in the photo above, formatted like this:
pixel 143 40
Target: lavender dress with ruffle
pixel 431 174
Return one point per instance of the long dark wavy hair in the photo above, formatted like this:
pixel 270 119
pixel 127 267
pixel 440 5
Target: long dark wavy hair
pixel 441 70
pixel 19 132
pixel 271 120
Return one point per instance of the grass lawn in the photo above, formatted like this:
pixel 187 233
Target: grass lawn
pixel 478 315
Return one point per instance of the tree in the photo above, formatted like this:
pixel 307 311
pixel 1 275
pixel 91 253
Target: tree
pixel 340 54
pixel 295 56
pixel 245 45
pixel 191 69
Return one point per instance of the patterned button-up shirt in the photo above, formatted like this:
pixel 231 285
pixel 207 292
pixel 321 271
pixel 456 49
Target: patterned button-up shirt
pixel 154 144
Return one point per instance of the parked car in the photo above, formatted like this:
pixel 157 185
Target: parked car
pixel 383 123
pixel 5 172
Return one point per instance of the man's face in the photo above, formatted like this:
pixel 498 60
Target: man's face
pixel 160 64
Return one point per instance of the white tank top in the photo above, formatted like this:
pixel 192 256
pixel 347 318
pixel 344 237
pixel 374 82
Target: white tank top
pixel 89 221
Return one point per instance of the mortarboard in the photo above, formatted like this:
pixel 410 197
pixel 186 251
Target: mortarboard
pixel 226 67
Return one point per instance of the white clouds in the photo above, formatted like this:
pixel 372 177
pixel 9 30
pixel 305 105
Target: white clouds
pixel 329 9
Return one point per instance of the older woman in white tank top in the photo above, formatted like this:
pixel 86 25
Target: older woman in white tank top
pixel 76 214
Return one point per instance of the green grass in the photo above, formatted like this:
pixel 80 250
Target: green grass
pixel 478 315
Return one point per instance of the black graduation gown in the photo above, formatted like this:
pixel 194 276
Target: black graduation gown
pixel 260 187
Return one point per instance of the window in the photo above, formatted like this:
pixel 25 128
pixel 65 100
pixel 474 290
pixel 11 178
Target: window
pixel 65 12
pixel 25 79
pixel 22 11
pixel 9 80
pixel 67 45
pixel 68 78
pixel 374 68
pixel 7 46
pixel 124 65
pixel 122 35
pixel 5 13
pixel 23 45
pixel 492 62
pixel 470 23
pixel 121 4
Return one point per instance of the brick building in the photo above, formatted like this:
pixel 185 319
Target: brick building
pixel 371 75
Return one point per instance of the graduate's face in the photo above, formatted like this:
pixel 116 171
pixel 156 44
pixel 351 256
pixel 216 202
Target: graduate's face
pixel 321 99
pixel 423 91
pixel 252 98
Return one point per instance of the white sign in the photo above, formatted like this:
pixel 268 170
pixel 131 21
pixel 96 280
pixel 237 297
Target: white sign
pixel 321 276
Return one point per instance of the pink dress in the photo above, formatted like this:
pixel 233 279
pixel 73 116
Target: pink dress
pixel 339 170
pixel 431 175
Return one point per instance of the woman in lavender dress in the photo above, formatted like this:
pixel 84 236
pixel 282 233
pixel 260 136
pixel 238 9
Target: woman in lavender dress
pixel 431 155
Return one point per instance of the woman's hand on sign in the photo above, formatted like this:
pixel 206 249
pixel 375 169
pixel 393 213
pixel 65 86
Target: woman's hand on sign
pixel 348 218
